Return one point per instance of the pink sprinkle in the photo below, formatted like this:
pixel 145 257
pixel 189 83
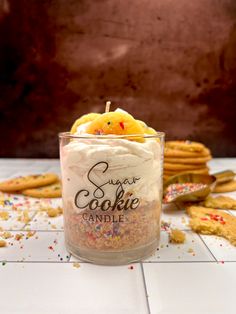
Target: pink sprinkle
pixel 204 218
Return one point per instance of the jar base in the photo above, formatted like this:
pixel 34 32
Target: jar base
pixel 113 258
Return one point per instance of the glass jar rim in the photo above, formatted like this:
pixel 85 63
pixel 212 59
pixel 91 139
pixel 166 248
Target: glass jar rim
pixel 68 135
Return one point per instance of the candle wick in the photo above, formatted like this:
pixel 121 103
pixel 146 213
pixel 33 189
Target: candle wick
pixel 107 108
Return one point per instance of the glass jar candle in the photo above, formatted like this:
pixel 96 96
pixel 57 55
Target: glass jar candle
pixel 112 196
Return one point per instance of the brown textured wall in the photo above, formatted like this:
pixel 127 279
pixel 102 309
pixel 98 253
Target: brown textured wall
pixel 170 63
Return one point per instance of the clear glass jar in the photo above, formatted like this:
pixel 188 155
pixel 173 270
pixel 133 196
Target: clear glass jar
pixel 112 195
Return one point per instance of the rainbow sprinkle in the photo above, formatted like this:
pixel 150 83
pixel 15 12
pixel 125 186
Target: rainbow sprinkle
pixel 178 189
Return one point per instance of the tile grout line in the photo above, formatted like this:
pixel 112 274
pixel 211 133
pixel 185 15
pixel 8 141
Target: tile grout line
pixel 83 262
pixel 145 288
pixel 26 224
pixel 180 207
pixel 207 247
pixel 36 230
pixel 176 262
pixel 38 262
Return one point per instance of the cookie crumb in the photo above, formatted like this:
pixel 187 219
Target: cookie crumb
pixel 177 236
pixel 190 250
pixel 60 210
pixel 30 234
pixel 76 265
pixel 52 212
pixel 4 215
pixel 24 217
pixel 6 235
pixel 3 243
pixel 18 236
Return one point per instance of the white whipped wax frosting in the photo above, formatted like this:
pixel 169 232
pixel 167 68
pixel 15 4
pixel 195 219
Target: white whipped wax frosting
pixel 111 161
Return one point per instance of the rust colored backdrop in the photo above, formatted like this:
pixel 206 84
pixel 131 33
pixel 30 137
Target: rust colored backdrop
pixel 170 63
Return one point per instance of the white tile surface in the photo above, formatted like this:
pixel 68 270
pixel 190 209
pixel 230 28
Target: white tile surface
pixel 191 288
pixel 55 169
pixel 60 288
pixel 227 163
pixel 20 202
pixel 214 163
pixel 13 223
pixel 178 281
pixel 41 221
pixel 175 215
pixel 28 170
pixel 74 259
pixel 192 250
pixel 220 248
pixel 233 212
pixel 5 174
pixel 43 246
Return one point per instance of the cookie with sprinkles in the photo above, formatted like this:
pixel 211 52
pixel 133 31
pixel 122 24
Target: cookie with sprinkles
pixel 212 221
pixel 28 182
pixel 48 191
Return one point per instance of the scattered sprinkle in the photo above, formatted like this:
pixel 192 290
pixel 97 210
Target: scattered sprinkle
pixel 30 234
pixel 165 225
pixel 178 189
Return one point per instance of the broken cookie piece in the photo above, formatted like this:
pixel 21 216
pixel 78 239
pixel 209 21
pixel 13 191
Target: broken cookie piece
pixel 3 243
pixel 177 236
pixel 221 201
pixel 212 221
